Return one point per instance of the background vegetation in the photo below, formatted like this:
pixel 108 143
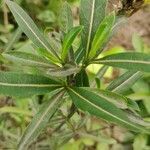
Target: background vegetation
pixel 82 131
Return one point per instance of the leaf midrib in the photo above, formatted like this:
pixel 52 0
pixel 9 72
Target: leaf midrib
pixel 30 61
pixel 90 27
pixel 103 109
pixel 122 84
pixel 38 123
pixel 119 103
pixel 46 47
pixel 124 61
pixel 28 85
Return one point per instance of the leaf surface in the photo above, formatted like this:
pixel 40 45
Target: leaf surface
pixel 100 107
pixel 66 18
pixel 130 60
pixel 116 99
pixel 27 59
pixel 25 85
pixel 68 40
pixel 92 12
pixel 30 29
pixel 63 72
pixel 40 120
pixel 103 32
pixel 124 82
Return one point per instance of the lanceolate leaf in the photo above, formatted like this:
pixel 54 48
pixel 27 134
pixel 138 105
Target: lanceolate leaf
pixel 40 120
pixel 92 12
pixel 79 54
pixel 101 72
pixel 102 34
pixel 100 107
pixel 124 82
pixel 66 18
pixel 137 119
pixel 132 105
pixel 116 99
pixel 118 23
pixel 63 72
pixel 30 29
pixel 68 40
pixel 15 37
pixel 100 75
pixel 27 59
pixel 129 60
pixel 25 85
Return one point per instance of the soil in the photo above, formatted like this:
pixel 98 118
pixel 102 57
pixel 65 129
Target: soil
pixel 138 23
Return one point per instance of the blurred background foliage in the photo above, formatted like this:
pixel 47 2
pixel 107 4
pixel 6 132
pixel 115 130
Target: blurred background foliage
pixel 82 132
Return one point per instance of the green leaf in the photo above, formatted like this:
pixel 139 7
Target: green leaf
pixel 81 79
pixel 137 119
pixel 124 82
pixel 132 105
pixel 118 23
pixel 40 120
pixel 100 75
pixel 25 85
pixel 63 72
pixel 46 54
pixel 27 59
pixel 66 18
pixel 92 12
pixel 130 60
pixel 100 107
pixel 68 40
pixel 102 72
pixel 30 29
pixel 118 100
pixel 79 54
pixel 103 32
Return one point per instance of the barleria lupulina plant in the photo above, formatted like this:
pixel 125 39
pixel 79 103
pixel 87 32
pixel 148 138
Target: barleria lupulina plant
pixel 62 70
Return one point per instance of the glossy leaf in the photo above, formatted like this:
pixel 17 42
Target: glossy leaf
pixel 68 40
pixel 40 120
pixel 130 60
pixel 25 85
pixel 100 107
pixel 124 82
pixel 30 29
pixel 103 32
pixel 27 59
pixel 92 12
pixel 66 18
